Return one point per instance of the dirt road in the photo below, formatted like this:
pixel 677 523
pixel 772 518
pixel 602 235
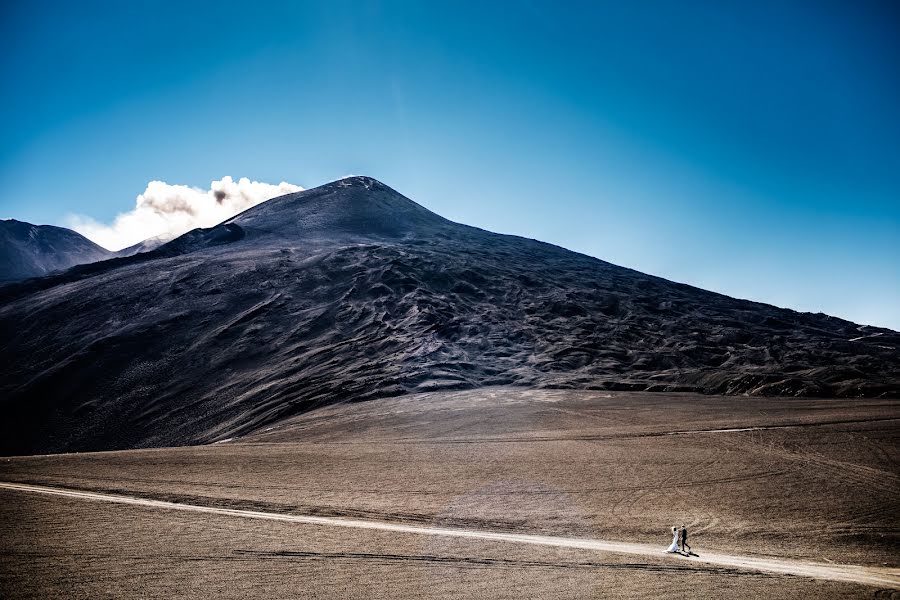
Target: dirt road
pixel 875 576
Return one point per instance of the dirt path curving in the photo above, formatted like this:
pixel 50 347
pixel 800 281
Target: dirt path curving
pixel 875 576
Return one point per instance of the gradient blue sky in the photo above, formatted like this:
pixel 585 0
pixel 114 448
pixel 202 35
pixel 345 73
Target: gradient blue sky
pixel 754 151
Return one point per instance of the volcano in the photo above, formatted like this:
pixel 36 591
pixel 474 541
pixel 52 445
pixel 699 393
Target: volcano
pixel 351 291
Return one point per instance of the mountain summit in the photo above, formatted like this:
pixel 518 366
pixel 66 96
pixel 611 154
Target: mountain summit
pixel 351 291
pixel 352 208
pixel 355 206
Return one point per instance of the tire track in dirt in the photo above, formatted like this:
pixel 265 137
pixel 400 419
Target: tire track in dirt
pixel 40 478
pixel 626 502
pixel 491 562
pixel 874 479
pixel 600 436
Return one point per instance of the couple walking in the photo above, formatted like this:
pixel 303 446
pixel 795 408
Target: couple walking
pixel 679 536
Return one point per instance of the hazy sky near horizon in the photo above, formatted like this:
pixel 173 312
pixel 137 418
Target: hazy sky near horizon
pixel 752 150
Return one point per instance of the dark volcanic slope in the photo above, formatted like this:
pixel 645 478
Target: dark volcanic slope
pixel 28 250
pixel 143 246
pixel 351 291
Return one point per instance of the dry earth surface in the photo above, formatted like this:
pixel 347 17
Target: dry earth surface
pixel 797 479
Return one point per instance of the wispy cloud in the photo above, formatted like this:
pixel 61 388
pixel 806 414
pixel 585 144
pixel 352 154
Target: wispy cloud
pixel 165 211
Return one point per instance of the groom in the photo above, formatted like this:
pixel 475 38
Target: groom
pixel 682 536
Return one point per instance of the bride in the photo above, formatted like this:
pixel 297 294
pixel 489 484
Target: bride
pixel 673 547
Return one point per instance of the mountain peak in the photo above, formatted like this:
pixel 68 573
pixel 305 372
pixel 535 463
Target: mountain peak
pixel 357 206
pixel 28 250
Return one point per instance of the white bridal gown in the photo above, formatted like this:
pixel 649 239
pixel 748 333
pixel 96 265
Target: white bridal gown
pixel 673 547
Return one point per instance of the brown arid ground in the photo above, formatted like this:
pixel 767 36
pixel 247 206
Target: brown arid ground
pixel 782 479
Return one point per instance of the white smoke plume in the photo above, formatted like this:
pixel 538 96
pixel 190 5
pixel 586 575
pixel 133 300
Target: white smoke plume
pixel 165 211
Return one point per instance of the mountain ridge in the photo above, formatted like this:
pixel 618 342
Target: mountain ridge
pixel 312 298
pixel 28 250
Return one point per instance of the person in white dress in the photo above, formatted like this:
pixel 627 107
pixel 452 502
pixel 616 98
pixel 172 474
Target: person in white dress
pixel 673 547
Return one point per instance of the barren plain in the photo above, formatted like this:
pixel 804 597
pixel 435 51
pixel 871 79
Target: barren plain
pixel 803 480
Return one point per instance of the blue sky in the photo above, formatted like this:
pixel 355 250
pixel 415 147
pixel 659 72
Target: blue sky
pixel 751 150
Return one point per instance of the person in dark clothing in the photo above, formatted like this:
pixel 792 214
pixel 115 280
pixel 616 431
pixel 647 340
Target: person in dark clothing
pixel 684 545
